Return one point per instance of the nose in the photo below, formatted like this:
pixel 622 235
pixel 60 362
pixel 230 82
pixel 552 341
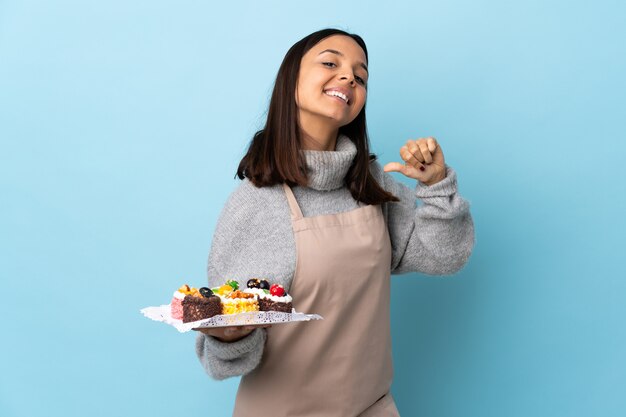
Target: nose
pixel 349 78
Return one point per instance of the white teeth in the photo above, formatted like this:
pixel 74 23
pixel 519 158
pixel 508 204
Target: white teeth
pixel 337 94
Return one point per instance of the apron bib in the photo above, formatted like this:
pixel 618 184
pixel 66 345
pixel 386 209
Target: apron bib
pixel 340 366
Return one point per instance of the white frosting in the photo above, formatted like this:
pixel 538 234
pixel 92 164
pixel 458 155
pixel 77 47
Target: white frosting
pixel 277 299
pixel 262 294
pixel 179 295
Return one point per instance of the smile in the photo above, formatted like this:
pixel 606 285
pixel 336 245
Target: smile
pixel 337 94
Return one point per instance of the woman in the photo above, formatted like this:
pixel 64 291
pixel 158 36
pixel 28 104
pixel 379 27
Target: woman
pixel 317 213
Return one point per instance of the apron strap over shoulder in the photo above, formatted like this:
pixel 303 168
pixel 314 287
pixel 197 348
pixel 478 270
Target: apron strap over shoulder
pixel 296 213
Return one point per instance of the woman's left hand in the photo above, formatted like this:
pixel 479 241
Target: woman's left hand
pixel 423 161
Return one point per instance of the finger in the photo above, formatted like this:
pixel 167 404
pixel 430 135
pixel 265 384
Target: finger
pixel 235 330
pixel 405 154
pixel 432 144
pixel 410 159
pixel 256 326
pixel 201 330
pixel 414 151
pixel 407 170
pixel 423 147
pixel 244 330
pixel 393 167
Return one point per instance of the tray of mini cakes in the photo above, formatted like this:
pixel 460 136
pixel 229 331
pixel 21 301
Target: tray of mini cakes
pixel 228 305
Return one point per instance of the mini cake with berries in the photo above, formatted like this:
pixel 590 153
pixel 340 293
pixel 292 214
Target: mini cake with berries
pixel 201 304
pixel 271 297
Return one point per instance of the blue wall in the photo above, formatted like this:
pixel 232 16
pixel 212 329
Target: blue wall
pixel 121 127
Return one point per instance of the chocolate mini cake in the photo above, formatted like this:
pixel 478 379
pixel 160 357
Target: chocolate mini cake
pixel 266 304
pixel 199 308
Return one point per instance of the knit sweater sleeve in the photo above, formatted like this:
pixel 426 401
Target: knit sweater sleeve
pixel 431 228
pixel 219 359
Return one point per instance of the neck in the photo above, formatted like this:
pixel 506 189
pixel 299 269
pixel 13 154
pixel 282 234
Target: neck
pixel 327 170
pixel 317 136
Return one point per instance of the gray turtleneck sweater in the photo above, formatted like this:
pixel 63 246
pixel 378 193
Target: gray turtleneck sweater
pixel 254 238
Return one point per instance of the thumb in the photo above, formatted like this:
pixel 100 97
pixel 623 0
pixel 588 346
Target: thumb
pixel 394 167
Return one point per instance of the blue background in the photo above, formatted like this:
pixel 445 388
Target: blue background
pixel 122 124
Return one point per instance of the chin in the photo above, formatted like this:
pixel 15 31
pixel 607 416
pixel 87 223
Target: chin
pixel 339 118
pixel 337 123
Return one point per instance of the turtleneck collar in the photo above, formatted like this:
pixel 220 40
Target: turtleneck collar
pixel 327 169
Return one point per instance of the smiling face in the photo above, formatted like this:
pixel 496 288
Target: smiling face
pixel 331 88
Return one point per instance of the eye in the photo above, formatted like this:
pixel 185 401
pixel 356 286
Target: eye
pixel 356 77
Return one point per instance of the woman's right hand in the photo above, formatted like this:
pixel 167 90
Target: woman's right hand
pixel 231 333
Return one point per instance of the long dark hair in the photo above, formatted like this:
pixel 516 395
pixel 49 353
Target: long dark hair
pixel 274 156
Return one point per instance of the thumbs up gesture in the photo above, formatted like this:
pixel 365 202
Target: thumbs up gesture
pixel 423 161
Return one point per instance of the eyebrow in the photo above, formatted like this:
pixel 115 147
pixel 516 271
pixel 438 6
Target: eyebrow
pixel 333 51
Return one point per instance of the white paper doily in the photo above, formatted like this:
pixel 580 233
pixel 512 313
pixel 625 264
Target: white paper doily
pixel 162 313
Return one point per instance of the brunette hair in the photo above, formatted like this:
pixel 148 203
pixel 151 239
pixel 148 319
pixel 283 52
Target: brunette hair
pixel 274 156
